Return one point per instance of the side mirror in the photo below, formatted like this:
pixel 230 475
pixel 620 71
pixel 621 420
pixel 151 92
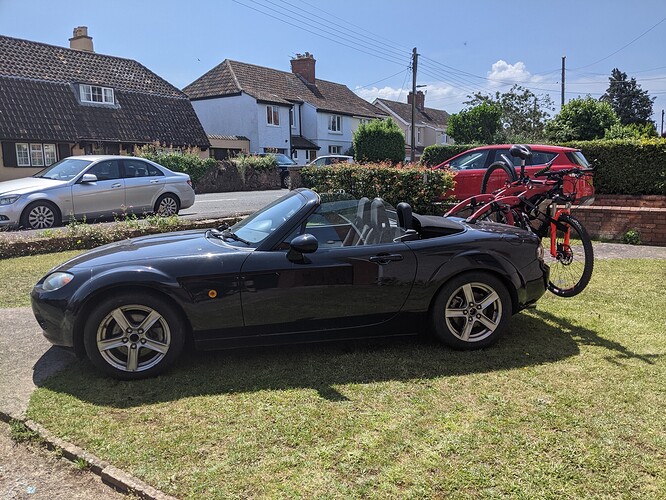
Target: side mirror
pixel 304 243
pixel 86 178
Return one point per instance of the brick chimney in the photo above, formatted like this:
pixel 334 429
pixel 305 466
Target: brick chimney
pixel 420 99
pixel 304 66
pixel 81 40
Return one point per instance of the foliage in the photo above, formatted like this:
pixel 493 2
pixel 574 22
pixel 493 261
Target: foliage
pixel 439 153
pixel 477 124
pixel 524 113
pixel 20 433
pixel 419 186
pixel 630 103
pixel 632 237
pixel 187 162
pixel 378 141
pixel 258 163
pixel 581 119
pixel 631 131
pixel 633 167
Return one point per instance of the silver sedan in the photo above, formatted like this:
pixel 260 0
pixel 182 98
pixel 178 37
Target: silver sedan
pixel 93 187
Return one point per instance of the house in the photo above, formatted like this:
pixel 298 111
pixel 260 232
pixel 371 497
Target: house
pixel 430 123
pixel 293 113
pixel 57 102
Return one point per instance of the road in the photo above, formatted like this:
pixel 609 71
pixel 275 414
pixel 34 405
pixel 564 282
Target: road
pixel 214 205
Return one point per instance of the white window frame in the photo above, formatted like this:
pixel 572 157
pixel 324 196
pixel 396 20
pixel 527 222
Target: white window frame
pixel 419 135
pixel 335 124
pixel 334 150
pixel 23 154
pixel 292 118
pixel 50 154
pixel 36 155
pixel 87 93
pixel 273 115
pixel 44 153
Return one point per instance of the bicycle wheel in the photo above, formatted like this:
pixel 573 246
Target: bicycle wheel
pixel 497 175
pixel 571 266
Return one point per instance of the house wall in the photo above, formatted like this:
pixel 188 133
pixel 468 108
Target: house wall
pixel 271 136
pixel 327 138
pixel 230 116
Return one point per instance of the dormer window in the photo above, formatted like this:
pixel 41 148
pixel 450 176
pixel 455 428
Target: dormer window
pixel 96 94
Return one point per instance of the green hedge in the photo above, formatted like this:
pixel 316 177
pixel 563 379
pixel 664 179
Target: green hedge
pixel 434 155
pixel 419 186
pixel 626 166
pixel 186 162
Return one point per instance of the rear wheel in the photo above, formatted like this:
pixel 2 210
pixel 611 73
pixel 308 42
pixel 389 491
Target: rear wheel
pixel 571 266
pixel 471 311
pixel 497 175
pixel 167 205
pixel 40 215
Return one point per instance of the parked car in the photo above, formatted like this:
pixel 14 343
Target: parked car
pixel 284 162
pixel 301 269
pixel 92 187
pixel 330 160
pixel 470 166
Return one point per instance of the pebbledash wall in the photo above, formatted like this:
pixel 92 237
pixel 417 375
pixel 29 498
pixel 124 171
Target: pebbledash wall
pixel 611 216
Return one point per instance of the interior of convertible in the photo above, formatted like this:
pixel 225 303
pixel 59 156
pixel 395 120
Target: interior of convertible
pixel 371 222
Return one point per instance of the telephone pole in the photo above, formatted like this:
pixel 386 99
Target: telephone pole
pixel 563 59
pixel 415 59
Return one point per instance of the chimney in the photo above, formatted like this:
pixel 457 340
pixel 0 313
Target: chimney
pixel 303 65
pixel 420 100
pixel 81 40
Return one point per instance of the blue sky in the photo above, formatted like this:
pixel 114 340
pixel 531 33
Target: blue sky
pixel 464 47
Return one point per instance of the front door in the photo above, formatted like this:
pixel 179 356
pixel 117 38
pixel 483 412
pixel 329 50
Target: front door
pixel 104 197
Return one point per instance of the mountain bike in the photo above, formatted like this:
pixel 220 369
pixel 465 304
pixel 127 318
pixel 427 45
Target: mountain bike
pixel 541 206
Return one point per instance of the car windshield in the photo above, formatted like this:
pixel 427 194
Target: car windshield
pixel 280 158
pixel 64 170
pixel 579 159
pixel 258 226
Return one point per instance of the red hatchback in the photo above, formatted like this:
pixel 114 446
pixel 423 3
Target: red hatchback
pixel 469 167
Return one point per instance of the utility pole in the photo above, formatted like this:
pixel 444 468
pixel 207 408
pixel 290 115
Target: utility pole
pixel 563 59
pixel 662 123
pixel 415 59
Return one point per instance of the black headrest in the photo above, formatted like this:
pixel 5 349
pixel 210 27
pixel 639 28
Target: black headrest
pixel 404 215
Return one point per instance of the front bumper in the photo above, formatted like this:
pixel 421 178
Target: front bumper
pixel 10 215
pixel 50 310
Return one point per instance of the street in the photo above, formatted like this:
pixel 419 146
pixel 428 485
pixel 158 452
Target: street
pixel 212 205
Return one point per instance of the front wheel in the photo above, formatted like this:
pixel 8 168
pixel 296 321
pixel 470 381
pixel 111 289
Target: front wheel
pixel 133 335
pixel 40 215
pixel 471 311
pixel 569 255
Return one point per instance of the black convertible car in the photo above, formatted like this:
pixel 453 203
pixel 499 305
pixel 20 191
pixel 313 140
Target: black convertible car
pixel 305 268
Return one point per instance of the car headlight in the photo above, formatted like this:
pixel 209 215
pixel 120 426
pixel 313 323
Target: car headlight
pixel 9 199
pixel 56 280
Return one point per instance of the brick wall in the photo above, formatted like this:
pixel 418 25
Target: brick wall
pixel 612 216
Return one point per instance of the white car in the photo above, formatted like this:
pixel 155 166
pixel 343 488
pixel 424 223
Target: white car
pixel 93 187
pixel 330 160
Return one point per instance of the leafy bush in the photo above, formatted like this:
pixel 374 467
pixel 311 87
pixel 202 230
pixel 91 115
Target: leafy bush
pixel 581 119
pixel 258 163
pixel 479 123
pixel 632 237
pixel 419 186
pixel 187 162
pixel 439 153
pixel 379 140
pixel 633 167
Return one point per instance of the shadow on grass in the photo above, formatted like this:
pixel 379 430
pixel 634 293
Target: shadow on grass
pixel 534 338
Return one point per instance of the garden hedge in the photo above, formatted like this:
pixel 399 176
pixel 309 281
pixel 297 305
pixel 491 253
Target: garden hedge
pixel 419 186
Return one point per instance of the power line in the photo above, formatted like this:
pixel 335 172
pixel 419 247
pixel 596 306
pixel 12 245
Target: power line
pixel 383 79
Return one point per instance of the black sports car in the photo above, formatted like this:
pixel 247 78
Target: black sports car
pixel 304 268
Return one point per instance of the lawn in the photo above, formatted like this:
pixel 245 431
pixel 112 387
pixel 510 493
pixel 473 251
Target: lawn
pixel 569 404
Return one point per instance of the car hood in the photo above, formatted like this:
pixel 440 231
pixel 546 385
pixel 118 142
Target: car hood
pixel 28 185
pixel 149 249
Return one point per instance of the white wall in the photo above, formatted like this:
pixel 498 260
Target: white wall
pixel 271 136
pixel 328 138
pixel 230 116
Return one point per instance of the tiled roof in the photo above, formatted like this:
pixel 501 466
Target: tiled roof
pixel 429 116
pixel 299 142
pixel 218 137
pixel 38 98
pixel 279 87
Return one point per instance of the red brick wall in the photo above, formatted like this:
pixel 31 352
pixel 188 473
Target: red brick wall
pixel 612 216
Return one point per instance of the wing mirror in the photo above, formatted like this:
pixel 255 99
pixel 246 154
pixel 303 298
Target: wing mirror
pixel 302 244
pixel 86 178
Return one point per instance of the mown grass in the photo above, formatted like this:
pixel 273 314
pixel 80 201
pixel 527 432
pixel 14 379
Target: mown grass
pixel 20 274
pixel 570 403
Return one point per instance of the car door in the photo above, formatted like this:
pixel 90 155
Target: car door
pixel 105 196
pixel 143 184
pixel 469 168
pixel 338 286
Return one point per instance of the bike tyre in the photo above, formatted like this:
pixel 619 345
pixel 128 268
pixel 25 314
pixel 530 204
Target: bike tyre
pixel 509 170
pixel 588 263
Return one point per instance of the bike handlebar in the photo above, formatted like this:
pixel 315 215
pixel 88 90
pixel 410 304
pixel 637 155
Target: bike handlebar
pixel 576 172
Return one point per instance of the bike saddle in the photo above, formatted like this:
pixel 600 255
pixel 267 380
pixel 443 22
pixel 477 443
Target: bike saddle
pixel 522 151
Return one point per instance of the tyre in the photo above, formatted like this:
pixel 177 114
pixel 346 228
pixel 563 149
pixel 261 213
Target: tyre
pixel 571 266
pixel 471 311
pixel 133 335
pixel 497 175
pixel 167 205
pixel 40 215
pixel 285 181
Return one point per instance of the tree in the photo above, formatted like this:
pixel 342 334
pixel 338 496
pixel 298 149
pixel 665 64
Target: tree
pixel 582 119
pixel 477 124
pixel 630 103
pixel 379 140
pixel 524 113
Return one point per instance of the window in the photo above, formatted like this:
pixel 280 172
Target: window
pixel 335 123
pixel 35 155
pixel 106 170
pixel 292 121
pixel 334 150
pixel 419 138
pixel 273 115
pixel 93 93
pixel 470 161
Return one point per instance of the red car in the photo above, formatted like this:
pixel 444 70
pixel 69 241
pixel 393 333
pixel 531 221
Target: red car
pixel 470 166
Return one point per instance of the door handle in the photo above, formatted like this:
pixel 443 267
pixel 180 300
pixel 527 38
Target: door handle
pixel 156 181
pixel 116 185
pixel 385 258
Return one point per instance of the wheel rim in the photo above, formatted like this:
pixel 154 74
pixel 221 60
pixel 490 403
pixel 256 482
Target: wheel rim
pixel 568 265
pixel 168 206
pixel 473 312
pixel 133 338
pixel 41 217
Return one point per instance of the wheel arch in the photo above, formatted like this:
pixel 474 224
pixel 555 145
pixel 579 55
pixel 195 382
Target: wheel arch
pixel 167 192
pixel 41 199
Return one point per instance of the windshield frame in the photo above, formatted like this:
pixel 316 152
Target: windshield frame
pixel 61 165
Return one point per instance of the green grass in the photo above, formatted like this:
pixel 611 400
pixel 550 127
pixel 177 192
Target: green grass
pixel 569 404
pixel 21 273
